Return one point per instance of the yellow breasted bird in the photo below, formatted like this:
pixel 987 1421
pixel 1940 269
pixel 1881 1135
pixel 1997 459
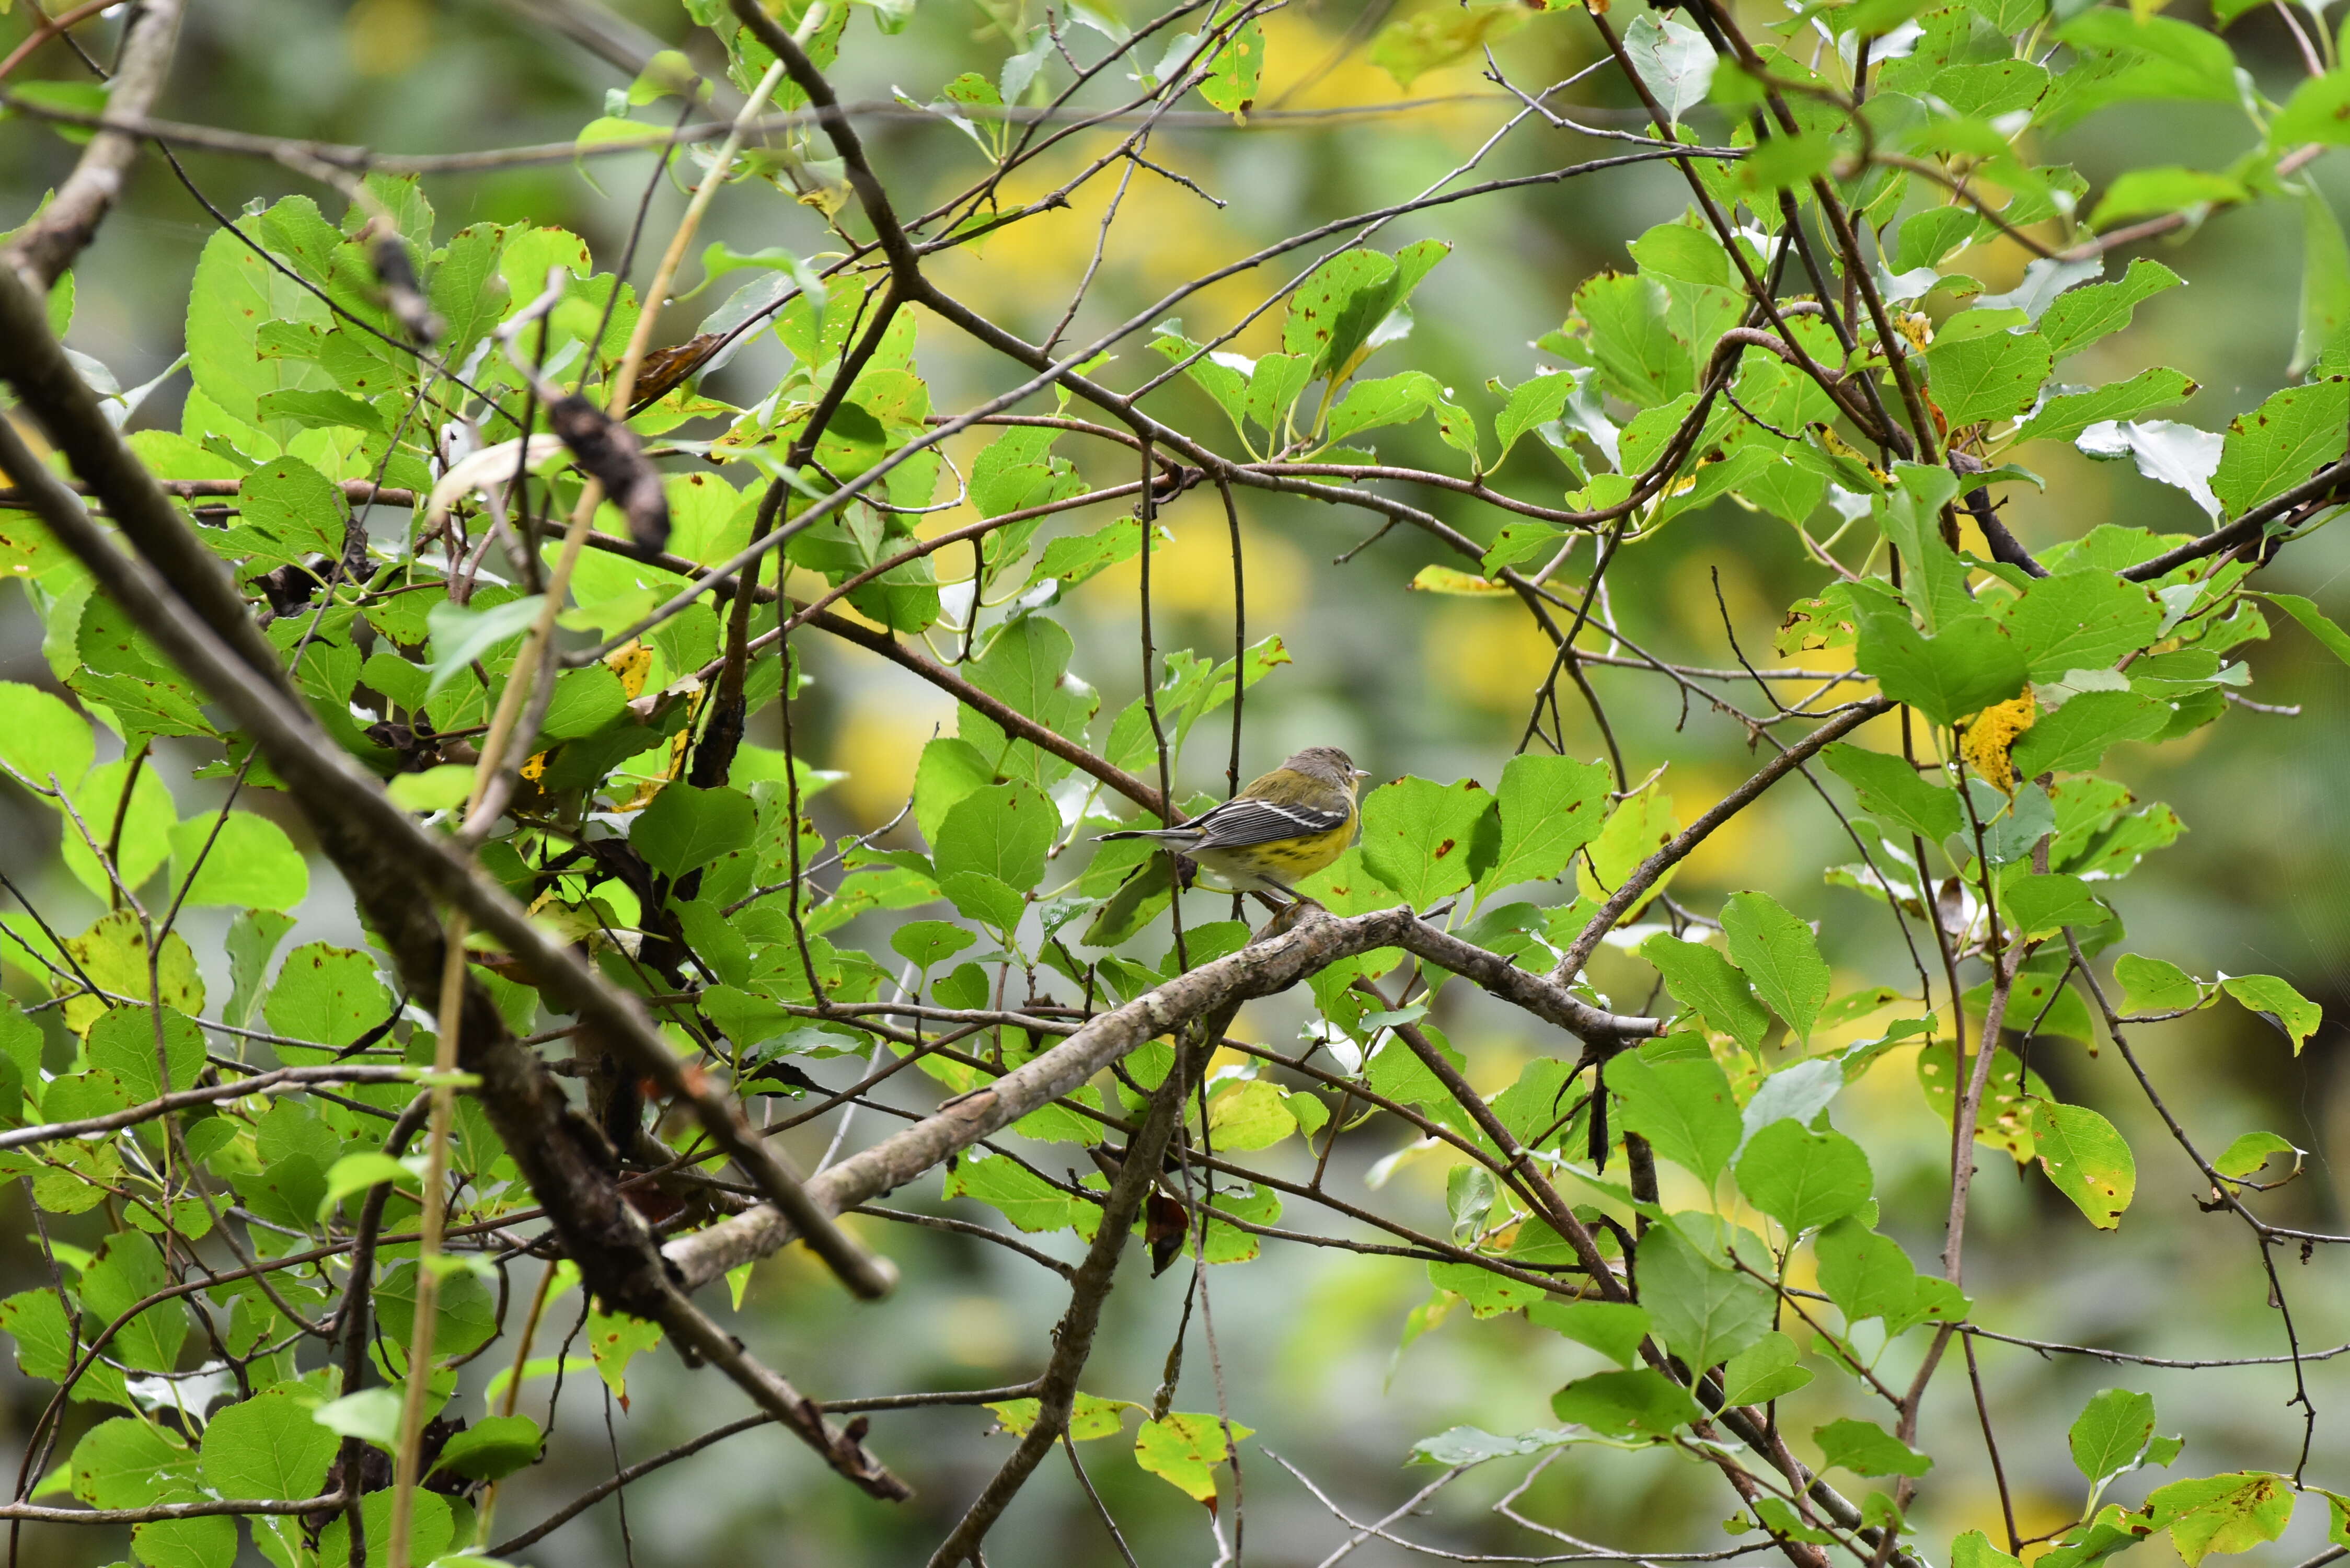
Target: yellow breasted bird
pixel 1281 829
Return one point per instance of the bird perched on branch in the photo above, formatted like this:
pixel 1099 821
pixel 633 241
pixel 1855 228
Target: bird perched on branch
pixel 1281 829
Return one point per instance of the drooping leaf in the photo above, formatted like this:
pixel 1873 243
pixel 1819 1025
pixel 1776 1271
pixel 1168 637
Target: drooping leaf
pixel 1705 1312
pixel 1779 955
pixel 1425 840
pixel 1682 1105
pixel 2086 1159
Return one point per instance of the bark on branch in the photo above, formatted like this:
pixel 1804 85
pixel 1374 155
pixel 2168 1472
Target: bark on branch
pixel 50 242
pixel 1316 941
pixel 397 870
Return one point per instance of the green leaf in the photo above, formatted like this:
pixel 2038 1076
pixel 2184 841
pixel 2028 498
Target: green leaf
pixel 2294 1014
pixel 1988 378
pixel 1026 667
pixel 1002 831
pixel 2247 1152
pixel 686 827
pixel 326 996
pixel 1929 237
pixel 128 1040
pixel 141 843
pixel 1966 667
pixel 1078 557
pixel 1769 1369
pixel 1780 955
pixel 925 942
pixel 1705 1313
pixel 1026 1199
pixel 126 1462
pixel 949 770
pixel 1424 41
pixel 1184 1449
pixel 287 513
pixel 2111 1433
pixel 462 635
pixel 1233 74
pixel 2155 985
pixel 2223 1513
pixel 205 1541
pixel 1425 840
pixel 267 1447
pixel 1248 1116
pixel 1683 1105
pixel 1642 1402
pixel 2325 281
pixel 312 408
pixel 2082 315
pixel 1474 1446
pixel 468 1314
pixel 113 954
pixel 129 1270
pixel 1974 1550
pixel 431 1528
pixel 2315 622
pixel 614 1341
pixel 1333 314
pixel 1864 1273
pixel 1536 401
pixel 1091 1417
pixel 2074 739
pixel 1892 790
pixel 1551 808
pixel 235 290
pixel 2148 192
pixel 442 787
pixel 357 1173
pixel 2085 619
pixel 251 864
pixel 1802 1178
pixel 252 942
pixel 1613 1329
pixel 42 739
pixel 2086 1159
pixel 2064 417
pixel 1016 470
pixel 372 1413
pixel 1703 978
pixel 1389 401
pixel 2037 906
pixel 1640 360
pixel 2281 443
pixel 1678 250
pixel 2319 111
pixel 492 1448
pixel 1865 1448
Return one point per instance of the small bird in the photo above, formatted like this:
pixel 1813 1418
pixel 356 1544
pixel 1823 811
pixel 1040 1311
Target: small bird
pixel 1282 827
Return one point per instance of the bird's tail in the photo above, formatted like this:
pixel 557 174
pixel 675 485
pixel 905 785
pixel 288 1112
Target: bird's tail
pixel 1131 833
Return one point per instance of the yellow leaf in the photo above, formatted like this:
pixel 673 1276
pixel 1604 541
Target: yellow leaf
pixel 1446 580
pixel 1992 735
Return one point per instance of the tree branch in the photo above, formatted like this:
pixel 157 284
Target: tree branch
pixel 50 242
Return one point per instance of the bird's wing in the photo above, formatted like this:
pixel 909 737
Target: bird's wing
pixel 1238 823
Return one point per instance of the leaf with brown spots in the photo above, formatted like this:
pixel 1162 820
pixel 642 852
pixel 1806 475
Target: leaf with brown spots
pixel 1425 840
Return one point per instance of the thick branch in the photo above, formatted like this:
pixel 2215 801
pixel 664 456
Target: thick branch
pixel 50 242
pixel 396 869
pixel 1317 940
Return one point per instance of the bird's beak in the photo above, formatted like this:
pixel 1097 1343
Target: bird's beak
pixel 1362 773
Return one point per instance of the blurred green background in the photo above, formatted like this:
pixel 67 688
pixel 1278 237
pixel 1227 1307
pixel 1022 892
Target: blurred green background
pixel 1409 684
